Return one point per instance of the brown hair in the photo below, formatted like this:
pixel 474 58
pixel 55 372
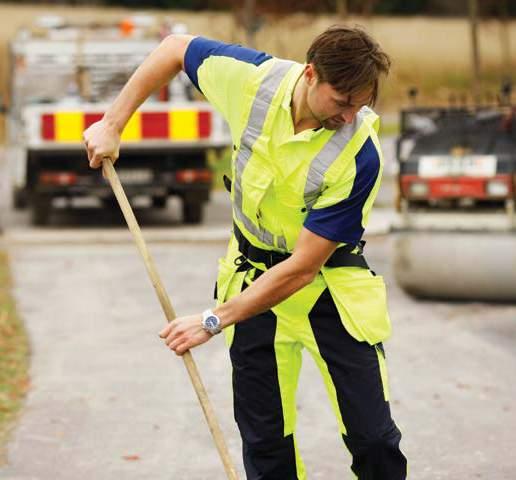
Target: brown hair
pixel 349 60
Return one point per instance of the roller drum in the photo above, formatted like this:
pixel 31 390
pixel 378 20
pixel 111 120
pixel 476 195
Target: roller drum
pixel 457 265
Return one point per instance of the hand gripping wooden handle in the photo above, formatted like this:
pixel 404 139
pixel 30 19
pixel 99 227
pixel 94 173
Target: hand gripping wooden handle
pixel 110 174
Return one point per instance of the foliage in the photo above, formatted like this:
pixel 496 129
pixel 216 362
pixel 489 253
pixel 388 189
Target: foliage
pixel 14 353
pixel 401 7
pixel 220 164
pixel 357 7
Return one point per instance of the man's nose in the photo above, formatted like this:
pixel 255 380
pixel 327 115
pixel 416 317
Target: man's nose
pixel 349 115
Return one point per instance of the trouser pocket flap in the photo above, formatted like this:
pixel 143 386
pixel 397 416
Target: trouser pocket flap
pixel 362 306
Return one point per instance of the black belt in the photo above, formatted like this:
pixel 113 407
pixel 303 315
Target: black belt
pixel 342 257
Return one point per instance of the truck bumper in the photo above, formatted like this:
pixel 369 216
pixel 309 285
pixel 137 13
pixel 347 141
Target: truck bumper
pixel 199 192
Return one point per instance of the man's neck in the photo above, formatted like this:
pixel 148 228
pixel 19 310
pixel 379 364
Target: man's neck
pixel 302 117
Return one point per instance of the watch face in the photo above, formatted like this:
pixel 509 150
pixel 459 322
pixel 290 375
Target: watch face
pixel 211 322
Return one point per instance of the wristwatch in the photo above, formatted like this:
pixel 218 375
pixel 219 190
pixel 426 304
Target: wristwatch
pixel 210 322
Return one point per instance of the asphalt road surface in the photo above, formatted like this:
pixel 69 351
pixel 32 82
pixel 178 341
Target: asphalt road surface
pixel 108 401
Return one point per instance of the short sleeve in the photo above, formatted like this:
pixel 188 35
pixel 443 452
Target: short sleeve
pixel 344 220
pixel 221 71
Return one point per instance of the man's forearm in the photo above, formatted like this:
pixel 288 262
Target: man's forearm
pixel 157 69
pixel 274 286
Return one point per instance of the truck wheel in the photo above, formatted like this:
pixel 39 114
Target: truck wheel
pixel 109 202
pixel 192 212
pixel 19 199
pixel 159 202
pixel 509 208
pixel 41 208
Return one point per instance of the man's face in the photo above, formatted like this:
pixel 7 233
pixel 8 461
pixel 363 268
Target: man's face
pixel 329 107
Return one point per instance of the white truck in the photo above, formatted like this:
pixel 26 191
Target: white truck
pixel 63 77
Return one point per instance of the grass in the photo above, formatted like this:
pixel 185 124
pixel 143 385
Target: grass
pixel 220 165
pixel 438 87
pixel 14 357
pixel 388 129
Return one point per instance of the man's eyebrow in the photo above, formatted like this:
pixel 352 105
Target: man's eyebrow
pixel 345 101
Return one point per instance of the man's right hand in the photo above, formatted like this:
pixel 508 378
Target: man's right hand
pixel 102 140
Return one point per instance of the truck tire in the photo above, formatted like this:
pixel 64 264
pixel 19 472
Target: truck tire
pixel 109 203
pixel 159 202
pixel 192 212
pixel 41 208
pixel 19 199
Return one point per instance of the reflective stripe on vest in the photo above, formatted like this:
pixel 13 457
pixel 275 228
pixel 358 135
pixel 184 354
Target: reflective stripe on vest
pixel 251 133
pixel 328 154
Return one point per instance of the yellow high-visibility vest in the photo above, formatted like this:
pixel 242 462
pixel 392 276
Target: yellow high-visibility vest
pixel 279 178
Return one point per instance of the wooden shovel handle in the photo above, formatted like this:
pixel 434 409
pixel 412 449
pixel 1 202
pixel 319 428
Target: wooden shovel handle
pixel 191 367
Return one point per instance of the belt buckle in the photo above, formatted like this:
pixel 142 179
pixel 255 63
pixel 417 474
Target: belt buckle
pixel 240 260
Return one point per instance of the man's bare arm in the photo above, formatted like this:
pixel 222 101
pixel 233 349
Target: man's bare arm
pixel 281 281
pixel 274 286
pixel 102 139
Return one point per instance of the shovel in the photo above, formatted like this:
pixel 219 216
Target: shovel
pixel 110 173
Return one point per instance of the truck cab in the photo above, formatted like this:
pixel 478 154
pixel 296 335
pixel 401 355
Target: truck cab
pixel 63 78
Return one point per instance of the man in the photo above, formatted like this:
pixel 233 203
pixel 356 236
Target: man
pixel 306 169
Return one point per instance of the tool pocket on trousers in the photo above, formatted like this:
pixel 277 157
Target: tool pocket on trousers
pixel 362 305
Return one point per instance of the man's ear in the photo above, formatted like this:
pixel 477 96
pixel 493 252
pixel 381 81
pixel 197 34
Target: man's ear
pixel 310 74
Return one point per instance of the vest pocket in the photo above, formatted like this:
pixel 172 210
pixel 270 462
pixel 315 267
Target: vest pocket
pixel 362 305
pixel 255 181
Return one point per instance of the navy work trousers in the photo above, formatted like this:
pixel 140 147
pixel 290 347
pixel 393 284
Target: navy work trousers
pixel 269 452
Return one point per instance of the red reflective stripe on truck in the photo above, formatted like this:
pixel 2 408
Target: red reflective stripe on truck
pixel 58 178
pixel 154 125
pixel 91 118
pixel 204 124
pixel 191 175
pixel 48 128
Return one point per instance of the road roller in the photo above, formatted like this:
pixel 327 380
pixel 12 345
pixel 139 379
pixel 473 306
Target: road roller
pixel 455 237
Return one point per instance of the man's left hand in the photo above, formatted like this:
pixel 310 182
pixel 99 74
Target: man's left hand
pixel 184 333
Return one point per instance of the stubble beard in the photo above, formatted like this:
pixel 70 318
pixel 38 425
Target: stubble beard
pixel 330 124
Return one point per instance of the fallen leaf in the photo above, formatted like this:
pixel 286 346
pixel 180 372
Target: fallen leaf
pixel 131 458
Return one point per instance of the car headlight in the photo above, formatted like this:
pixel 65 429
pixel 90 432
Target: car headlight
pixel 497 188
pixel 418 189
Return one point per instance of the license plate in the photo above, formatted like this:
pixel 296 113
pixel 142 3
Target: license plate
pixel 136 176
pixel 448 166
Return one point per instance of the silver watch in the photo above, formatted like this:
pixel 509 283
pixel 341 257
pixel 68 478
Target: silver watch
pixel 210 322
